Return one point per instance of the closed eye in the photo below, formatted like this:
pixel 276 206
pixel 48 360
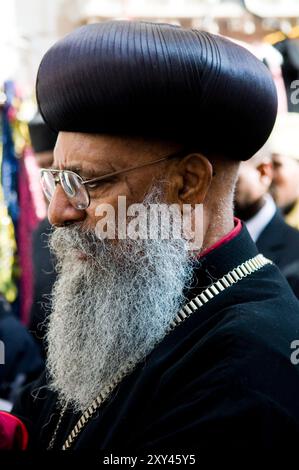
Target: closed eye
pixel 96 184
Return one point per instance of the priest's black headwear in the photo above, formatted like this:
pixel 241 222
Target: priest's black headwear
pixel 158 80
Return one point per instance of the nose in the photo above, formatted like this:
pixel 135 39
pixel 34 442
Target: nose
pixel 61 212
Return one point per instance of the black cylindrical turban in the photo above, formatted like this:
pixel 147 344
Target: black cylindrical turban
pixel 159 80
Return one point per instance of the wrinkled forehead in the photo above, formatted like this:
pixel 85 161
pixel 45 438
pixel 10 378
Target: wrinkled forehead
pixel 75 150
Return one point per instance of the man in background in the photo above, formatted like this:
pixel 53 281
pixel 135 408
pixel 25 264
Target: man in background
pixel 284 146
pixel 43 142
pixel 272 235
pixel 20 360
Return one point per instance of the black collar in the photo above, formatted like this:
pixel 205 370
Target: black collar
pixel 224 258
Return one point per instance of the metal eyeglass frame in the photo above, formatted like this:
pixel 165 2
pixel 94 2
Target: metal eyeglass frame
pixel 57 173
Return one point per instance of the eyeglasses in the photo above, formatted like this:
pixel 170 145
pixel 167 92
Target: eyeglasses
pixel 75 187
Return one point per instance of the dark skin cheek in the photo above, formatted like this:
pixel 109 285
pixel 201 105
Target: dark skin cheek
pixel 133 187
pixel 134 194
pixel 137 186
pixel 108 196
pixel 145 179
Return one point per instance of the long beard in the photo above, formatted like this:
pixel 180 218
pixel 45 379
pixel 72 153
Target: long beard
pixel 109 308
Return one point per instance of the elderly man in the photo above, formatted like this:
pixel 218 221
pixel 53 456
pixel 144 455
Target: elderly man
pixel 152 345
pixel 272 235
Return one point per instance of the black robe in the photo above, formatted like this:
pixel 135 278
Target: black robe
pixel 280 243
pixel 22 360
pixel 222 380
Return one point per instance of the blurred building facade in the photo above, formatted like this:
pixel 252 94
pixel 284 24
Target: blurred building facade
pixel 28 28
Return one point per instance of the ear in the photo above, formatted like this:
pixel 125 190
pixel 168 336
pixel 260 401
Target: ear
pixel 192 179
pixel 266 173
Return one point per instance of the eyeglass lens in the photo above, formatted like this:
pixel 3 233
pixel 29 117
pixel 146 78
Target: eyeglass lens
pixel 72 186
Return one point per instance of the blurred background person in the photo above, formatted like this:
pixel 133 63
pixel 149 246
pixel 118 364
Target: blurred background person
pixel 43 142
pixel 253 204
pixel 21 362
pixel 284 146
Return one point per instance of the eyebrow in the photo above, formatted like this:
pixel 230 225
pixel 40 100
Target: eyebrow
pixel 86 173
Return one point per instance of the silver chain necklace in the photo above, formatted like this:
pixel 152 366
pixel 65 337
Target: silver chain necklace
pixel 232 277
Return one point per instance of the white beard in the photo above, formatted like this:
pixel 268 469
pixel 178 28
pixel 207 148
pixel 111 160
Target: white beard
pixel 110 310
